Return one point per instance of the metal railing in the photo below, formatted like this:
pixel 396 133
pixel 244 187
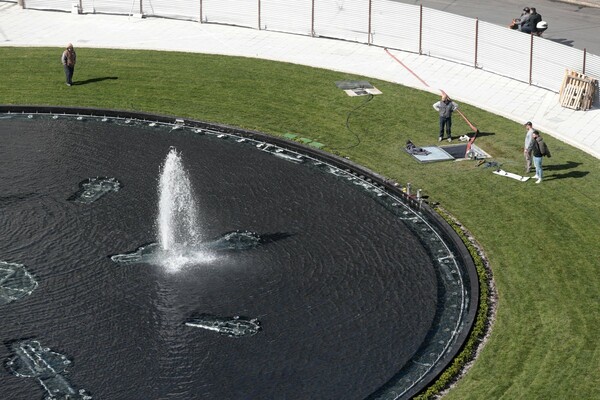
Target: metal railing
pixel 384 23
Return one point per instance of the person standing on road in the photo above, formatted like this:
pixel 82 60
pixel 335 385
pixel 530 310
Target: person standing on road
pixel 68 59
pixel 445 108
pixel 526 147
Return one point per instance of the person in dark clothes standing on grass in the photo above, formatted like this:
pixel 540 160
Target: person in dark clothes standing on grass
pixel 445 107
pixel 68 59
pixel 538 150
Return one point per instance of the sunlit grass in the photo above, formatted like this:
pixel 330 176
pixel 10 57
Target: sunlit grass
pixel 542 240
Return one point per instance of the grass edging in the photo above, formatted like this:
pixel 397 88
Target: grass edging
pixel 485 313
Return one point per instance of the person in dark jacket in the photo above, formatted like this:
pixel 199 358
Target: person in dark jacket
pixel 534 19
pixel 538 150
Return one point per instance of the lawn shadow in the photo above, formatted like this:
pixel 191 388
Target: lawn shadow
pixel 558 167
pixel 572 174
pixel 93 80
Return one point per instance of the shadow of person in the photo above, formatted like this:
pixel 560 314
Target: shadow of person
pixel 558 167
pixel 93 80
pixel 572 174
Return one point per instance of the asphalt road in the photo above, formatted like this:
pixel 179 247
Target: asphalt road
pixel 574 25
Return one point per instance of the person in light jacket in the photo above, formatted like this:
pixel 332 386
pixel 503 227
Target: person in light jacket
pixel 445 108
pixel 68 59
pixel 526 147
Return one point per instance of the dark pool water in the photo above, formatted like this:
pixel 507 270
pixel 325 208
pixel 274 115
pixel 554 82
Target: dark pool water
pixel 345 297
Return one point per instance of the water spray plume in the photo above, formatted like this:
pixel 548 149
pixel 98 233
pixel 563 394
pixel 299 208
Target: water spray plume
pixel 177 213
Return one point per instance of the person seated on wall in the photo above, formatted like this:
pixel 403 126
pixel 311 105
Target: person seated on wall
pixel 517 21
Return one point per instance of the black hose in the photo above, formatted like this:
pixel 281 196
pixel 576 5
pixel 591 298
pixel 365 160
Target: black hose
pixel 358 141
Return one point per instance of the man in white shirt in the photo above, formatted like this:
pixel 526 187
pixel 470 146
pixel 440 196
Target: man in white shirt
pixel 526 149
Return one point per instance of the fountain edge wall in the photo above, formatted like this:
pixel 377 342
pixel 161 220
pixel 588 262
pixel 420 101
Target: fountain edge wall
pixel 452 238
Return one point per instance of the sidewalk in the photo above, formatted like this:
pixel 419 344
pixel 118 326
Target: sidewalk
pixel 503 96
pixel 584 3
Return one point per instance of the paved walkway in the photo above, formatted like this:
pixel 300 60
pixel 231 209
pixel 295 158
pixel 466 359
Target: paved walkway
pixel 503 96
pixel 584 3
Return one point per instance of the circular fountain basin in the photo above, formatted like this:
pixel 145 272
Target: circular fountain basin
pixel 358 295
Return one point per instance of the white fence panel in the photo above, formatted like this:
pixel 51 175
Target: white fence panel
pixel 342 19
pixel 395 25
pixel 295 17
pixel 550 60
pixel 503 51
pixel 180 9
pixel 448 36
pixel 231 12
pixel 592 66
pixel 592 69
pixel 110 6
pixel 61 5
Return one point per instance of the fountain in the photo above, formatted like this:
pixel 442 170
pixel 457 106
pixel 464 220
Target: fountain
pixel 179 239
pixel 219 311
pixel 180 242
pixel 177 214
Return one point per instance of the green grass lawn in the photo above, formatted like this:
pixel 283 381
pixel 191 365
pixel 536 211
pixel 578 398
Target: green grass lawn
pixel 542 240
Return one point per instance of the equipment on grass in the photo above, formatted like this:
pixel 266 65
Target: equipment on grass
pixel 502 172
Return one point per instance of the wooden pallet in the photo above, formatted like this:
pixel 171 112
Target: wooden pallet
pixel 577 91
